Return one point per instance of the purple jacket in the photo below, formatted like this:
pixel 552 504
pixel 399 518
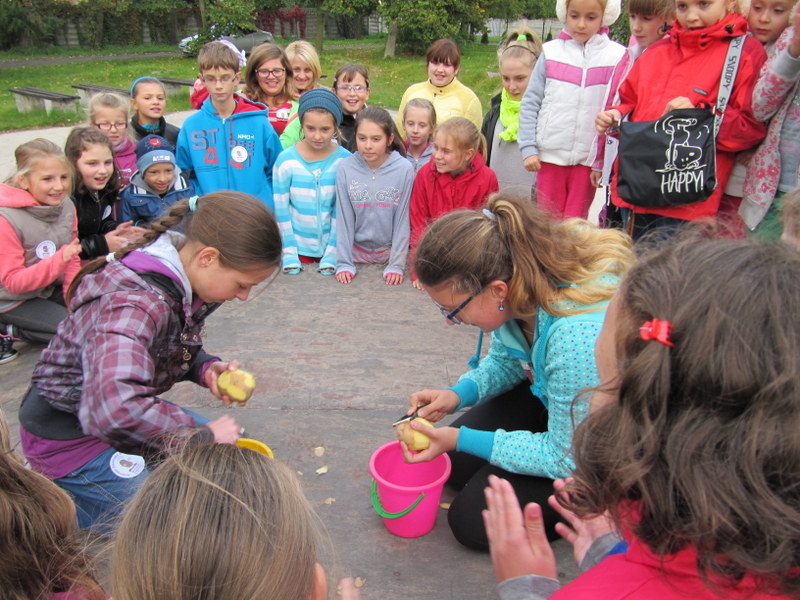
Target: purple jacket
pixel 125 342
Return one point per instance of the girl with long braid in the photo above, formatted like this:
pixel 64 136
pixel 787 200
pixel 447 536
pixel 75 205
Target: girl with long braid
pixel 92 419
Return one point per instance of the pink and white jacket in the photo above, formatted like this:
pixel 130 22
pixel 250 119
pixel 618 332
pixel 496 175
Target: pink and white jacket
pixel 772 97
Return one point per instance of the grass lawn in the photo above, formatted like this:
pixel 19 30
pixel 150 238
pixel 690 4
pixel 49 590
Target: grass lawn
pixel 389 77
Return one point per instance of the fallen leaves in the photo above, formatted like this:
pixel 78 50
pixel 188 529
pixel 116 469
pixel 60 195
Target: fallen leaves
pixel 319 451
pixel 322 470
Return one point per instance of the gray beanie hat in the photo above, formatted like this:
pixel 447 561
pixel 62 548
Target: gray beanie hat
pixel 321 98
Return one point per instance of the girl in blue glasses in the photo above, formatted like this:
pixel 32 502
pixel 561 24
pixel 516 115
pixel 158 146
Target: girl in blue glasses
pixel 541 289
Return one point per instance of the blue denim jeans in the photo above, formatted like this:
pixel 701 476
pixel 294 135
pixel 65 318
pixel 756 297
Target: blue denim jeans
pixel 102 486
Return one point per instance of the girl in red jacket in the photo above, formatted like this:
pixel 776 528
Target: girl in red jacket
pixel 691 445
pixel 456 177
pixel 683 71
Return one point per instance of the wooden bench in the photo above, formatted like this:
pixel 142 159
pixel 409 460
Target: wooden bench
pixel 173 85
pixel 87 90
pixel 29 98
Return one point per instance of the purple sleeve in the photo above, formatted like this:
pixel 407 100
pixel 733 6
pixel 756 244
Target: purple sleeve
pixel 118 403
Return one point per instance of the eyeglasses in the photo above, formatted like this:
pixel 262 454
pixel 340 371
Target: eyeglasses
pixel 358 89
pixel 450 315
pixel 224 80
pixel 109 126
pixel 265 73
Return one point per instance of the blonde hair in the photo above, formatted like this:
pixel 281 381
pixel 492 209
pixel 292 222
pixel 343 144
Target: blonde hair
pixel 42 551
pixel 305 51
pixel 560 266
pixel 464 133
pixel 218 518
pixel 30 154
pixel 522 44
pixel 108 100
pixel 423 104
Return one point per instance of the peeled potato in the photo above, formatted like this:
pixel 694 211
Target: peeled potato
pixel 238 385
pixel 415 440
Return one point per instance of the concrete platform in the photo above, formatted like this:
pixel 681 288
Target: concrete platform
pixel 335 365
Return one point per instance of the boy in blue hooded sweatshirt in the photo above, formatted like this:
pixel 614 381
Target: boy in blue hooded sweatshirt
pixel 157 183
pixel 228 144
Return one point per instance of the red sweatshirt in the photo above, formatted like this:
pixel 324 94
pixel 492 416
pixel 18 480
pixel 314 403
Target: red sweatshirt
pixel 689 63
pixel 435 194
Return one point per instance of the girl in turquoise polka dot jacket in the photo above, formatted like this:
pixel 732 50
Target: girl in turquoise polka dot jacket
pixel 541 288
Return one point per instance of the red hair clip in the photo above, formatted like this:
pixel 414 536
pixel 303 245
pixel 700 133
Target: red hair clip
pixel 656 330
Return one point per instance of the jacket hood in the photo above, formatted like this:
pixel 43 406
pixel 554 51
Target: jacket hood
pixel 731 26
pixel 12 197
pixel 388 165
pixel 138 181
pixel 244 107
pixel 15 198
pixel 165 250
pixel 610 14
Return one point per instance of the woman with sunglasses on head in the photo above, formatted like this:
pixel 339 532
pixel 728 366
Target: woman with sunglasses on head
pixel 268 79
pixel 541 289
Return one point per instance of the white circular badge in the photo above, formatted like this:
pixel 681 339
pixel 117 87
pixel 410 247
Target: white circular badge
pixel 45 249
pixel 239 154
pixel 126 466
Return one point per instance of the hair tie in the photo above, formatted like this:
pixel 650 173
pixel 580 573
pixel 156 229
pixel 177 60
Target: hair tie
pixel 489 214
pixel 656 330
pixel 138 79
pixel 111 257
pixel 193 204
pixel 522 37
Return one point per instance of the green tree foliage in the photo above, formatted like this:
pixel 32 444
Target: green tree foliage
pixel 516 9
pixel 420 22
pixel 25 23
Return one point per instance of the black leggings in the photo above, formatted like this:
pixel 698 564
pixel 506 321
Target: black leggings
pixel 37 319
pixel 515 410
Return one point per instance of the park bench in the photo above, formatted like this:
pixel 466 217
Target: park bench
pixel 173 85
pixel 87 90
pixel 29 98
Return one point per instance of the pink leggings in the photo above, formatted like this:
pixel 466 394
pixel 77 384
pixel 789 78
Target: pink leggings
pixel 564 192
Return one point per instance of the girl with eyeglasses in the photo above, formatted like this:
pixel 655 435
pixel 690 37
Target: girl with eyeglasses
pixel 268 79
pixel 109 114
pixel 351 84
pixel 541 289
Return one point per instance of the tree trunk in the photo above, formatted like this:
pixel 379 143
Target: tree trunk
pixel 358 26
pixel 201 4
pixel 320 32
pixel 391 41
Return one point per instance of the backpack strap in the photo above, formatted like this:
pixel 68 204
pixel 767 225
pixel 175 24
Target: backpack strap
pixel 729 69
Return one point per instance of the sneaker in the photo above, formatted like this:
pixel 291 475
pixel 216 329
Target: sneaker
pixel 7 339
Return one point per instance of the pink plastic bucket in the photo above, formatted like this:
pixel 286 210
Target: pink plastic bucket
pixel 407 495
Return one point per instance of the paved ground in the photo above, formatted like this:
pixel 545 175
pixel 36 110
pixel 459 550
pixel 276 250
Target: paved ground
pixel 335 365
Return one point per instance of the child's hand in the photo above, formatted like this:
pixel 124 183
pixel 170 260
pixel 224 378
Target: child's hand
pixel 595 177
pixel 517 542
pixel 794 45
pixel 348 589
pixel 417 285
pixel 344 277
pixel 581 531
pixel 225 429
pixel 679 102
pixel 436 404
pixel 129 231
pixel 443 439
pixel 532 163
pixel 212 374
pixel 71 250
pixel 606 120
pixel 393 278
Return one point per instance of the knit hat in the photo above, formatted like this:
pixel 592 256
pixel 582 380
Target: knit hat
pixel 321 98
pixel 152 150
pixel 610 14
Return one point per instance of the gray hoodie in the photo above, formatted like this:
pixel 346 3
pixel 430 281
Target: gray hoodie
pixel 372 223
